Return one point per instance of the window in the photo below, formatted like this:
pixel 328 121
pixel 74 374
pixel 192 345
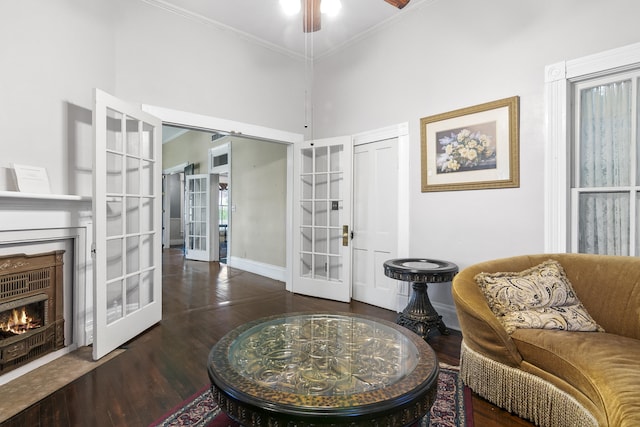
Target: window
pixel 606 186
pixel 592 162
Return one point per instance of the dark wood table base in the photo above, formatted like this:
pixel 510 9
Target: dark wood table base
pixel 250 415
pixel 419 315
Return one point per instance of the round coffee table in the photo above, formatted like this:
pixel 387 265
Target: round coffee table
pixel 310 369
pixel 419 315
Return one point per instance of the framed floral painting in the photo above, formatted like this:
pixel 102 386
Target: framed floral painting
pixel 472 148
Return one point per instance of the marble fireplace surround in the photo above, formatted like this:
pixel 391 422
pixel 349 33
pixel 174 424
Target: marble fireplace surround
pixel 35 223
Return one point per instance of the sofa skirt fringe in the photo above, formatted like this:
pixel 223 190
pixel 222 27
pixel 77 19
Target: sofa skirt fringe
pixel 522 393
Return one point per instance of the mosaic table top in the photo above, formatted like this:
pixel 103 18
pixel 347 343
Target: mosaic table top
pixel 323 368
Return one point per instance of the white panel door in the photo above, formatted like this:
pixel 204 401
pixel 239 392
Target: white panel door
pixel 127 209
pixel 375 221
pixel 321 218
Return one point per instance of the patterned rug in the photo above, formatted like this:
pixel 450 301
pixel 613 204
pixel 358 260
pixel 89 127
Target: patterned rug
pixel 452 407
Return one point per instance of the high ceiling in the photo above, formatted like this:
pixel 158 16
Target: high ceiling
pixel 265 21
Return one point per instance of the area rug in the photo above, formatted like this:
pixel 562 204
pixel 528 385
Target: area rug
pixel 452 407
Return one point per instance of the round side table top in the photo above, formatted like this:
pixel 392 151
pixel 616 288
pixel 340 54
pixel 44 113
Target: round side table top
pixel 420 270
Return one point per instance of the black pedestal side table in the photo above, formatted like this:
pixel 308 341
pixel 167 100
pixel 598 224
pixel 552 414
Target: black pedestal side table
pixel 419 315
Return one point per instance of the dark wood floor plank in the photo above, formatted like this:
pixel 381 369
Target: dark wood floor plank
pixel 167 364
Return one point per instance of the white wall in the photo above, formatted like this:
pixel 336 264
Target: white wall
pixel 258 198
pixel 450 54
pixel 54 52
pixel 173 61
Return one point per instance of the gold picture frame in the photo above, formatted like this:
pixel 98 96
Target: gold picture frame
pixel 472 148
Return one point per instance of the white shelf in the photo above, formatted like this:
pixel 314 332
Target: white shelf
pixel 37 196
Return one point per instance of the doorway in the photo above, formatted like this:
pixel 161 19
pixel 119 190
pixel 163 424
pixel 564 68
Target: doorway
pixel 248 201
pixel 285 273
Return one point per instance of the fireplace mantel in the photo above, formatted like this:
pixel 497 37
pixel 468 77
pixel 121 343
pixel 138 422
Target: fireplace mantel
pixel 37 196
pixel 37 220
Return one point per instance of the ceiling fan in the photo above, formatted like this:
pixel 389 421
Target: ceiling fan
pixel 311 13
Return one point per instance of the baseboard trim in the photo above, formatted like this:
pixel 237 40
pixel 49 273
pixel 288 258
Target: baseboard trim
pixel 267 270
pixel 449 316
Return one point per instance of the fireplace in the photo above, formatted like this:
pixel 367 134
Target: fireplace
pixel 31 307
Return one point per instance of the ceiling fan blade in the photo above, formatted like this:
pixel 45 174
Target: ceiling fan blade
pixel 398 3
pixel 311 16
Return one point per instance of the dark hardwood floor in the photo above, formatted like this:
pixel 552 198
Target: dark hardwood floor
pixel 167 364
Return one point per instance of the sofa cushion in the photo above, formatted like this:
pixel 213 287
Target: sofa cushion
pixel 604 367
pixel 540 297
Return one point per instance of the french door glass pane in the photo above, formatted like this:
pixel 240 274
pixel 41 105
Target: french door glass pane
pixel 320 266
pixel 336 158
pixel 603 224
pixel 322 160
pixel 306 235
pixel 133 215
pixel 114 173
pixel 114 301
pixel 133 176
pixel 335 241
pixel 322 184
pixel 320 240
pixel 147 212
pixel 133 254
pixel 146 288
pixel 147 178
pixel 133 136
pixel 146 143
pixel 335 267
pixel 321 213
pixel 114 130
pixel 114 217
pixel 305 265
pixel 115 265
pixel 146 251
pixel 306 160
pixel 133 293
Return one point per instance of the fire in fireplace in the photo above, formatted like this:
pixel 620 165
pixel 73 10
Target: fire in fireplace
pixel 31 307
pixel 18 321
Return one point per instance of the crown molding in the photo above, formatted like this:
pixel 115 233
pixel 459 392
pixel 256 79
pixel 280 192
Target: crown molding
pixel 169 7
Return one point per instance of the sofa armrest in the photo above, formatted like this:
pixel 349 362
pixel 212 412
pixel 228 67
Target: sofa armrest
pixel 481 330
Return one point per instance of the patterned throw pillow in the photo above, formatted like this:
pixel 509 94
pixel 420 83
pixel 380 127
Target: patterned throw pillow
pixel 540 297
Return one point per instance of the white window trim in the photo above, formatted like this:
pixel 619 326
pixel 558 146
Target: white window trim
pixel 558 80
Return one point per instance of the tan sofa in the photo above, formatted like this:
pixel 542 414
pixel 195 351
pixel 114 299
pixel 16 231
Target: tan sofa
pixel 552 377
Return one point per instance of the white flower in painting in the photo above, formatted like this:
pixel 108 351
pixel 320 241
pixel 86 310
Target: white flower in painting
pixel 451 165
pixel 472 155
pixel 463 134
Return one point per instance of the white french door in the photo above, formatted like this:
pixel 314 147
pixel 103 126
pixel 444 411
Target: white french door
pixel 375 221
pixel 321 218
pixel 200 242
pixel 127 206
